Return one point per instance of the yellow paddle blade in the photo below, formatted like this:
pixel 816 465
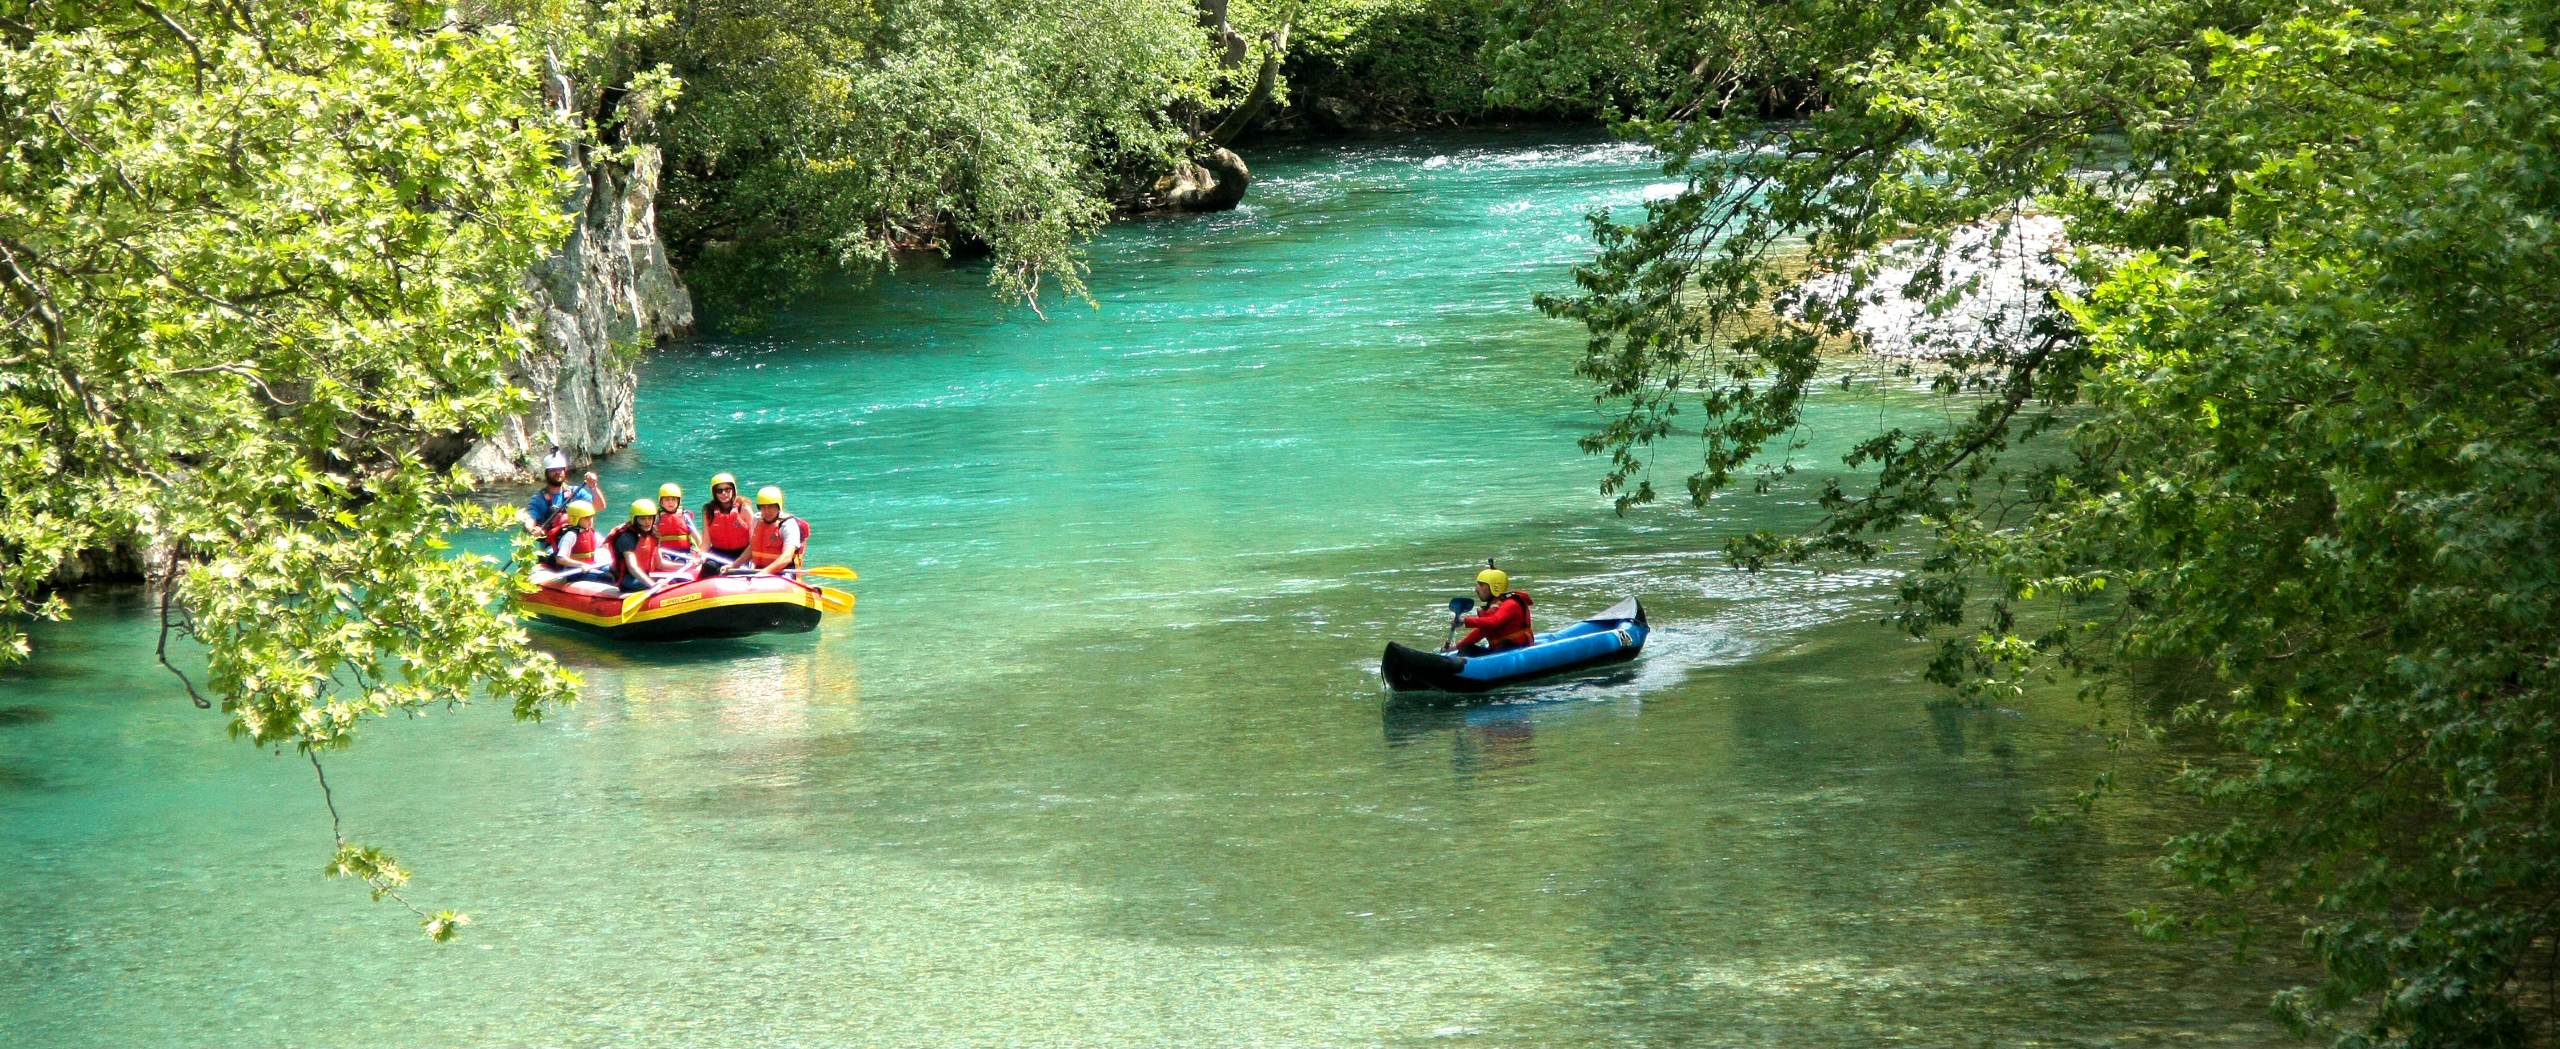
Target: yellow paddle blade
pixel 834 600
pixel 631 601
pixel 830 572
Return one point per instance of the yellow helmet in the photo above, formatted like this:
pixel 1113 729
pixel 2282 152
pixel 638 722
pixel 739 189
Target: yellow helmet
pixel 671 490
pixel 1497 579
pixel 644 508
pixel 719 479
pixel 768 496
pixel 581 509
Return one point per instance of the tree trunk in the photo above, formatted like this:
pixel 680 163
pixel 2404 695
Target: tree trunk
pixel 1274 43
pixel 1214 178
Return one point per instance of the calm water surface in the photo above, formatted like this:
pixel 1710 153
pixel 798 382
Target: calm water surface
pixel 1103 760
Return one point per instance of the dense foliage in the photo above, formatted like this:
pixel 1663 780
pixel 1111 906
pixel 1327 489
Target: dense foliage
pixel 815 134
pixel 1372 64
pixel 2298 426
pixel 255 258
pixel 1395 63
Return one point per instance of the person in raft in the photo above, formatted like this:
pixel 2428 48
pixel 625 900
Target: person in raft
pixel 779 539
pixel 548 510
pixel 1505 621
pixel 677 538
pixel 636 565
pixel 571 551
pixel 728 526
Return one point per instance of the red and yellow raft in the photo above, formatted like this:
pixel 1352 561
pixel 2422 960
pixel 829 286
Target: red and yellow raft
pixel 723 606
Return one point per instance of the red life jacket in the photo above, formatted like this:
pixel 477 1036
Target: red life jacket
pixel 766 547
pixel 646 551
pixel 1505 625
pixel 730 530
pixel 582 550
pixel 675 530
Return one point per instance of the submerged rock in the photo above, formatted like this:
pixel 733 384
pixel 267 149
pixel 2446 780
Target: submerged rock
pixel 1214 181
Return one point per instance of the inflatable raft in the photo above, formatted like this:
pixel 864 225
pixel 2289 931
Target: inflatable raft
pixel 1613 636
pixel 727 606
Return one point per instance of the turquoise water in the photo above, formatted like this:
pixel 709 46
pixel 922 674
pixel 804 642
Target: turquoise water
pixel 1103 758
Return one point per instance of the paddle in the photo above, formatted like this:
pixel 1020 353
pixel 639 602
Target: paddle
pixel 632 600
pixel 829 599
pixel 832 600
pixel 1458 606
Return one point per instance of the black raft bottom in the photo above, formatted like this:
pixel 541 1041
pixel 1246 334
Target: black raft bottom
pixel 710 623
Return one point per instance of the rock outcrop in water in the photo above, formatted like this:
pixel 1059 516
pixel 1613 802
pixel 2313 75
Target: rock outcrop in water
pixel 607 295
pixel 1215 181
pixel 126 562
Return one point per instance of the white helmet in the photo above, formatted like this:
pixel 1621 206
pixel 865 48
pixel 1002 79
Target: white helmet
pixel 557 460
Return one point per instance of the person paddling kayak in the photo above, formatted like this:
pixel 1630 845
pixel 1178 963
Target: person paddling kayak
pixel 548 510
pixel 1505 621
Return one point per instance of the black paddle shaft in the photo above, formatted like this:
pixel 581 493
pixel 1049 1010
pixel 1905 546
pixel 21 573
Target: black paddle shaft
pixel 1458 606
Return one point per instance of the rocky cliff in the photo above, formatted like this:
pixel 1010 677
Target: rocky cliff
pixel 608 295
pixel 603 299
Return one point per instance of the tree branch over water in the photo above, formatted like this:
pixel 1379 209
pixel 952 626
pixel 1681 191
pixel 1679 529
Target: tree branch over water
pixel 259 262
pixel 2299 400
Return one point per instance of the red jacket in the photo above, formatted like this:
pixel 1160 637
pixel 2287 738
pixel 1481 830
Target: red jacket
pixel 1506 624
pixel 729 529
pixel 644 548
pixel 675 530
pixel 767 542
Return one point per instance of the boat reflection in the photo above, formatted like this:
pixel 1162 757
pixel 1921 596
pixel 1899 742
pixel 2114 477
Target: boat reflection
pixel 1488 737
pixel 760 686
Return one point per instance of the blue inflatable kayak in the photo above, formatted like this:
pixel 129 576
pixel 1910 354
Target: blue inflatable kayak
pixel 1614 636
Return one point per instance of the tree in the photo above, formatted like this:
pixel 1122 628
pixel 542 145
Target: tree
pixel 255 258
pixel 816 134
pixel 2290 421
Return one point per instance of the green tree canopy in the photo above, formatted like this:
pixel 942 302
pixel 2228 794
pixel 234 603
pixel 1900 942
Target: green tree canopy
pixel 815 134
pixel 2299 430
pixel 256 257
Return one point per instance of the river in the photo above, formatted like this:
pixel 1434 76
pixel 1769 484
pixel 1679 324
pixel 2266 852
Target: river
pixel 1103 759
